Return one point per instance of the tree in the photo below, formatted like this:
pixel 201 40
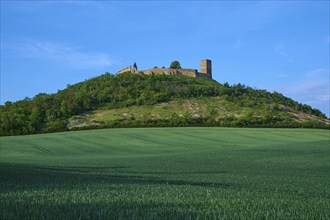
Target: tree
pixel 175 65
pixel 36 119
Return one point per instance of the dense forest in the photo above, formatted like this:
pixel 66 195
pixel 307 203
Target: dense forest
pixel 51 112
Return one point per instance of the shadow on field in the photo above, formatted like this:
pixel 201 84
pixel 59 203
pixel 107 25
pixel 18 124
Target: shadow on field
pixel 128 209
pixel 21 177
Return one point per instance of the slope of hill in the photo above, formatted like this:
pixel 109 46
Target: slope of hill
pixel 162 100
pixel 203 111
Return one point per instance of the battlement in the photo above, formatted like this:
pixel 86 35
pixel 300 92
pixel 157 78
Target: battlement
pixel 205 72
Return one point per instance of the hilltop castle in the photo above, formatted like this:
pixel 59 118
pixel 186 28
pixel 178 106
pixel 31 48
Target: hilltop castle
pixel 205 72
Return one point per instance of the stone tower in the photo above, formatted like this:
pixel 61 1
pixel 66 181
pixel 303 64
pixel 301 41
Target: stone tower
pixel 206 67
pixel 135 69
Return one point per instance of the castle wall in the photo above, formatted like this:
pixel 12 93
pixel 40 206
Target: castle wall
pixel 206 70
pixel 157 71
pixel 168 71
pixel 126 69
pixel 204 75
pixel 189 72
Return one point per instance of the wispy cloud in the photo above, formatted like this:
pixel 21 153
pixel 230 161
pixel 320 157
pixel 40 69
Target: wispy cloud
pixel 312 88
pixel 101 5
pixel 281 50
pixel 259 14
pixel 65 54
pixel 317 73
pixel 33 6
pixel 312 92
pixel 25 6
pixel 281 75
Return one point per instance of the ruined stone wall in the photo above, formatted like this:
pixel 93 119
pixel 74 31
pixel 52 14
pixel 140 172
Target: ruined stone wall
pixel 157 71
pixel 168 71
pixel 204 75
pixel 206 70
pixel 188 72
pixel 126 69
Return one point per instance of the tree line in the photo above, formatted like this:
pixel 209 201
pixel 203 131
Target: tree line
pixel 50 112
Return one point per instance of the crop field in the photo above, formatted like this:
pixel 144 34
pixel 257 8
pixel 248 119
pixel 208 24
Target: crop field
pixel 167 173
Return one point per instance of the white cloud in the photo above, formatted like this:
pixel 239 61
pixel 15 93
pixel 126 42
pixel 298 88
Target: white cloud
pixel 25 6
pixel 281 50
pixel 33 6
pixel 312 89
pixel 101 5
pixel 64 54
pixel 281 75
pixel 257 15
pixel 318 73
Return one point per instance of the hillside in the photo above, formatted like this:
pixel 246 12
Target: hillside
pixel 137 100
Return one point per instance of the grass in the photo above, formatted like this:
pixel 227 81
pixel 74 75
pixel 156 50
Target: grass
pixel 167 173
pixel 194 107
pixel 216 109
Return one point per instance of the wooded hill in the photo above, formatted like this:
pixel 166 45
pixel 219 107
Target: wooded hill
pixel 137 100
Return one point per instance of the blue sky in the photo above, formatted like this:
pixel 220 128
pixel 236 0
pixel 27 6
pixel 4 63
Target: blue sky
pixel 274 45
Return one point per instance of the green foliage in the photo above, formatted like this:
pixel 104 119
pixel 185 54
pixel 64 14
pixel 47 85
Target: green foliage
pixel 175 65
pixel 57 125
pixel 172 173
pixel 43 112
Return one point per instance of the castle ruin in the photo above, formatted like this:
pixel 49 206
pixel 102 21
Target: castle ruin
pixel 205 70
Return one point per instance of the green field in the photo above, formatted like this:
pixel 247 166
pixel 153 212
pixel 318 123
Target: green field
pixel 167 173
